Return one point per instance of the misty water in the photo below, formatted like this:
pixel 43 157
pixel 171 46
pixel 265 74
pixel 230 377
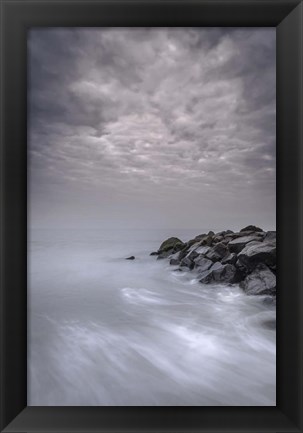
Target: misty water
pixel 106 331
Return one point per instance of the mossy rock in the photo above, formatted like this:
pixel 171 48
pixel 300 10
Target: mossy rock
pixel 171 243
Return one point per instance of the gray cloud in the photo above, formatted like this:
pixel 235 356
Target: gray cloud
pixel 152 127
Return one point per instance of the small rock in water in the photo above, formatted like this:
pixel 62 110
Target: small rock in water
pixel 130 258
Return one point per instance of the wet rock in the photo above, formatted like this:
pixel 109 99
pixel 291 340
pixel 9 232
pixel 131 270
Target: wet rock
pixel 229 258
pixel 171 244
pixel 226 273
pixel 202 264
pixel 207 240
pixel 199 237
pixel 270 236
pixel 260 282
pixel 206 277
pixel 244 271
pixel 251 229
pixel 192 254
pixel 248 256
pixel 219 273
pixel 259 252
pixel 164 254
pixel 130 258
pixel 187 262
pixel 270 301
pixel 224 233
pixel 202 250
pixel 236 245
pixel 175 259
pixel 217 239
pixel 217 252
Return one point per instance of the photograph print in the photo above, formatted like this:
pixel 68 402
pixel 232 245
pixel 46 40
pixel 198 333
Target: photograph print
pixel 151 216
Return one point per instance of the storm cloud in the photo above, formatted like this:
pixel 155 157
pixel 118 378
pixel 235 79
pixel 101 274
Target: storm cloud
pixel 152 128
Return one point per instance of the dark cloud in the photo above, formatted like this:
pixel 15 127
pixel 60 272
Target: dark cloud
pixel 178 118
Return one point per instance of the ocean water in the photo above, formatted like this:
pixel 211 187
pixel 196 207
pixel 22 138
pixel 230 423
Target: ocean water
pixel 103 330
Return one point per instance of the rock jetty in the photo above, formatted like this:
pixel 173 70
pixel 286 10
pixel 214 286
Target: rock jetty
pixel 247 258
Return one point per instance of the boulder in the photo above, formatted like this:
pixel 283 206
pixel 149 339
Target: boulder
pixel 195 250
pixel 175 258
pixel 202 250
pixel 224 233
pixel 130 258
pixel 260 282
pixel 219 273
pixel 187 262
pixel 171 243
pixel 217 238
pixel 199 237
pixel 229 258
pixel 258 252
pixel 164 254
pixel 217 252
pixel 251 229
pixel 192 253
pixel 206 277
pixel 237 245
pixel 202 264
pixel 241 268
pixel 207 240
pixel 225 273
pixel 154 253
pixel 270 236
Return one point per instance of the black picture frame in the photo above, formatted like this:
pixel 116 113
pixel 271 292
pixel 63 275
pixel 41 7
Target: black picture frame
pixel 17 16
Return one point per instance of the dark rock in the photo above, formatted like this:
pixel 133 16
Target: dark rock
pixel 225 241
pixel 164 254
pixel 246 233
pixel 191 242
pixel 219 273
pixel 258 252
pixel 270 236
pixel 238 244
pixel 206 277
pixel 199 237
pixel 187 262
pixel 224 233
pixel 175 258
pixel 260 282
pixel 202 264
pixel 171 243
pixel 191 254
pixel 207 240
pixel 130 258
pixel 217 252
pixel 229 258
pixel 217 239
pixel 225 273
pixel 241 268
pixel 251 229
pixel 202 250
pixel 154 253
pixel 270 301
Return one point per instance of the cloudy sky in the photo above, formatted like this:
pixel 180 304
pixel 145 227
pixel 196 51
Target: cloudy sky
pixel 152 128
